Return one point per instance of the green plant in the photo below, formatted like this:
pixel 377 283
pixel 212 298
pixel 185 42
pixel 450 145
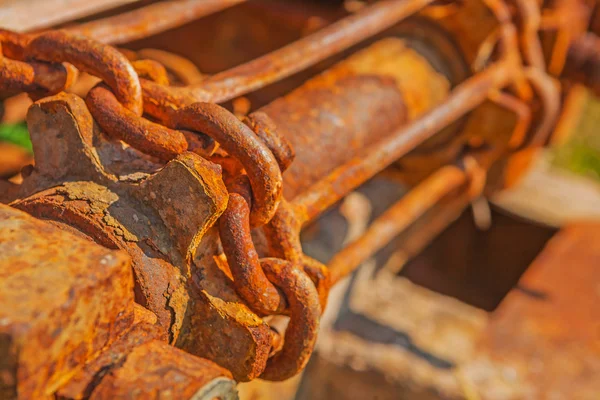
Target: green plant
pixel 17 134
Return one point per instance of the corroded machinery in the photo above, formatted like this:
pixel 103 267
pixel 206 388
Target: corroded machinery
pixel 197 195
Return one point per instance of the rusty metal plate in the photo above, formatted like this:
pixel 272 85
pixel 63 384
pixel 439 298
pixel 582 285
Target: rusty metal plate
pixel 544 339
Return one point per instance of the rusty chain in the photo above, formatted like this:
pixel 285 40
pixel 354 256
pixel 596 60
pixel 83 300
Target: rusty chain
pixel 269 286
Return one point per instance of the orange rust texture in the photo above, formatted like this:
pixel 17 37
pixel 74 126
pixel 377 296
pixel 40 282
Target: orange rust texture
pixel 120 123
pixel 143 315
pixel 307 51
pixel 305 312
pixel 89 208
pixel 284 62
pixel 26 15
pixel 90 56
pixel 83 300
pixel 266 130
pixel 64 151
pixel 248 278
pixel 160 236
pixel 13 44
pixel 397 219
pixel 92 373
pixel 152 70
pixel 156 370
pixel 548 329
pixel 190 207
pixel 149 20
pixel 35 78
pixel 180 69
pixel 218 326
pixel 359 101
pixel 161 221
pixel 241 143
pixel 375 157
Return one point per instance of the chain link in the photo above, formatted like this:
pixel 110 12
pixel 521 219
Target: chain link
pixel 253 157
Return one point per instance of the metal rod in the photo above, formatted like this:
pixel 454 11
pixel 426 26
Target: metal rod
pixel 27 15
pixel 396 219
pixel 288 60
pixel 364 166
pixel 412 241
pixel 310 50
pixel 149 20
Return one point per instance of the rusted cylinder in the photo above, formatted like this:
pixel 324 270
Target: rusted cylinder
pixel 335 115
pixel 374 158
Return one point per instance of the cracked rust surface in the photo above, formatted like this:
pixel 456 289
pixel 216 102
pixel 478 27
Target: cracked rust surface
pixel 156 370
pixel 161 218
pixel 83 301
pixel 87 378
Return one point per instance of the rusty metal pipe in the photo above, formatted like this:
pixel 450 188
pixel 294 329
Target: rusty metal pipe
pixel 351 123
pixel 421 214
pixel 149 20
pixel 254 74
pixel 359 101
pixel 376 157
pixel 397 219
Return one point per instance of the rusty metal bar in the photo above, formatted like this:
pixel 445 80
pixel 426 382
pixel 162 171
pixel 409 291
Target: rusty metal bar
pixel 290 59
pixel 149 20
pixel 418 236
pixel 309 50
pixel 362 167
pixel 27 15
pixel 397 219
